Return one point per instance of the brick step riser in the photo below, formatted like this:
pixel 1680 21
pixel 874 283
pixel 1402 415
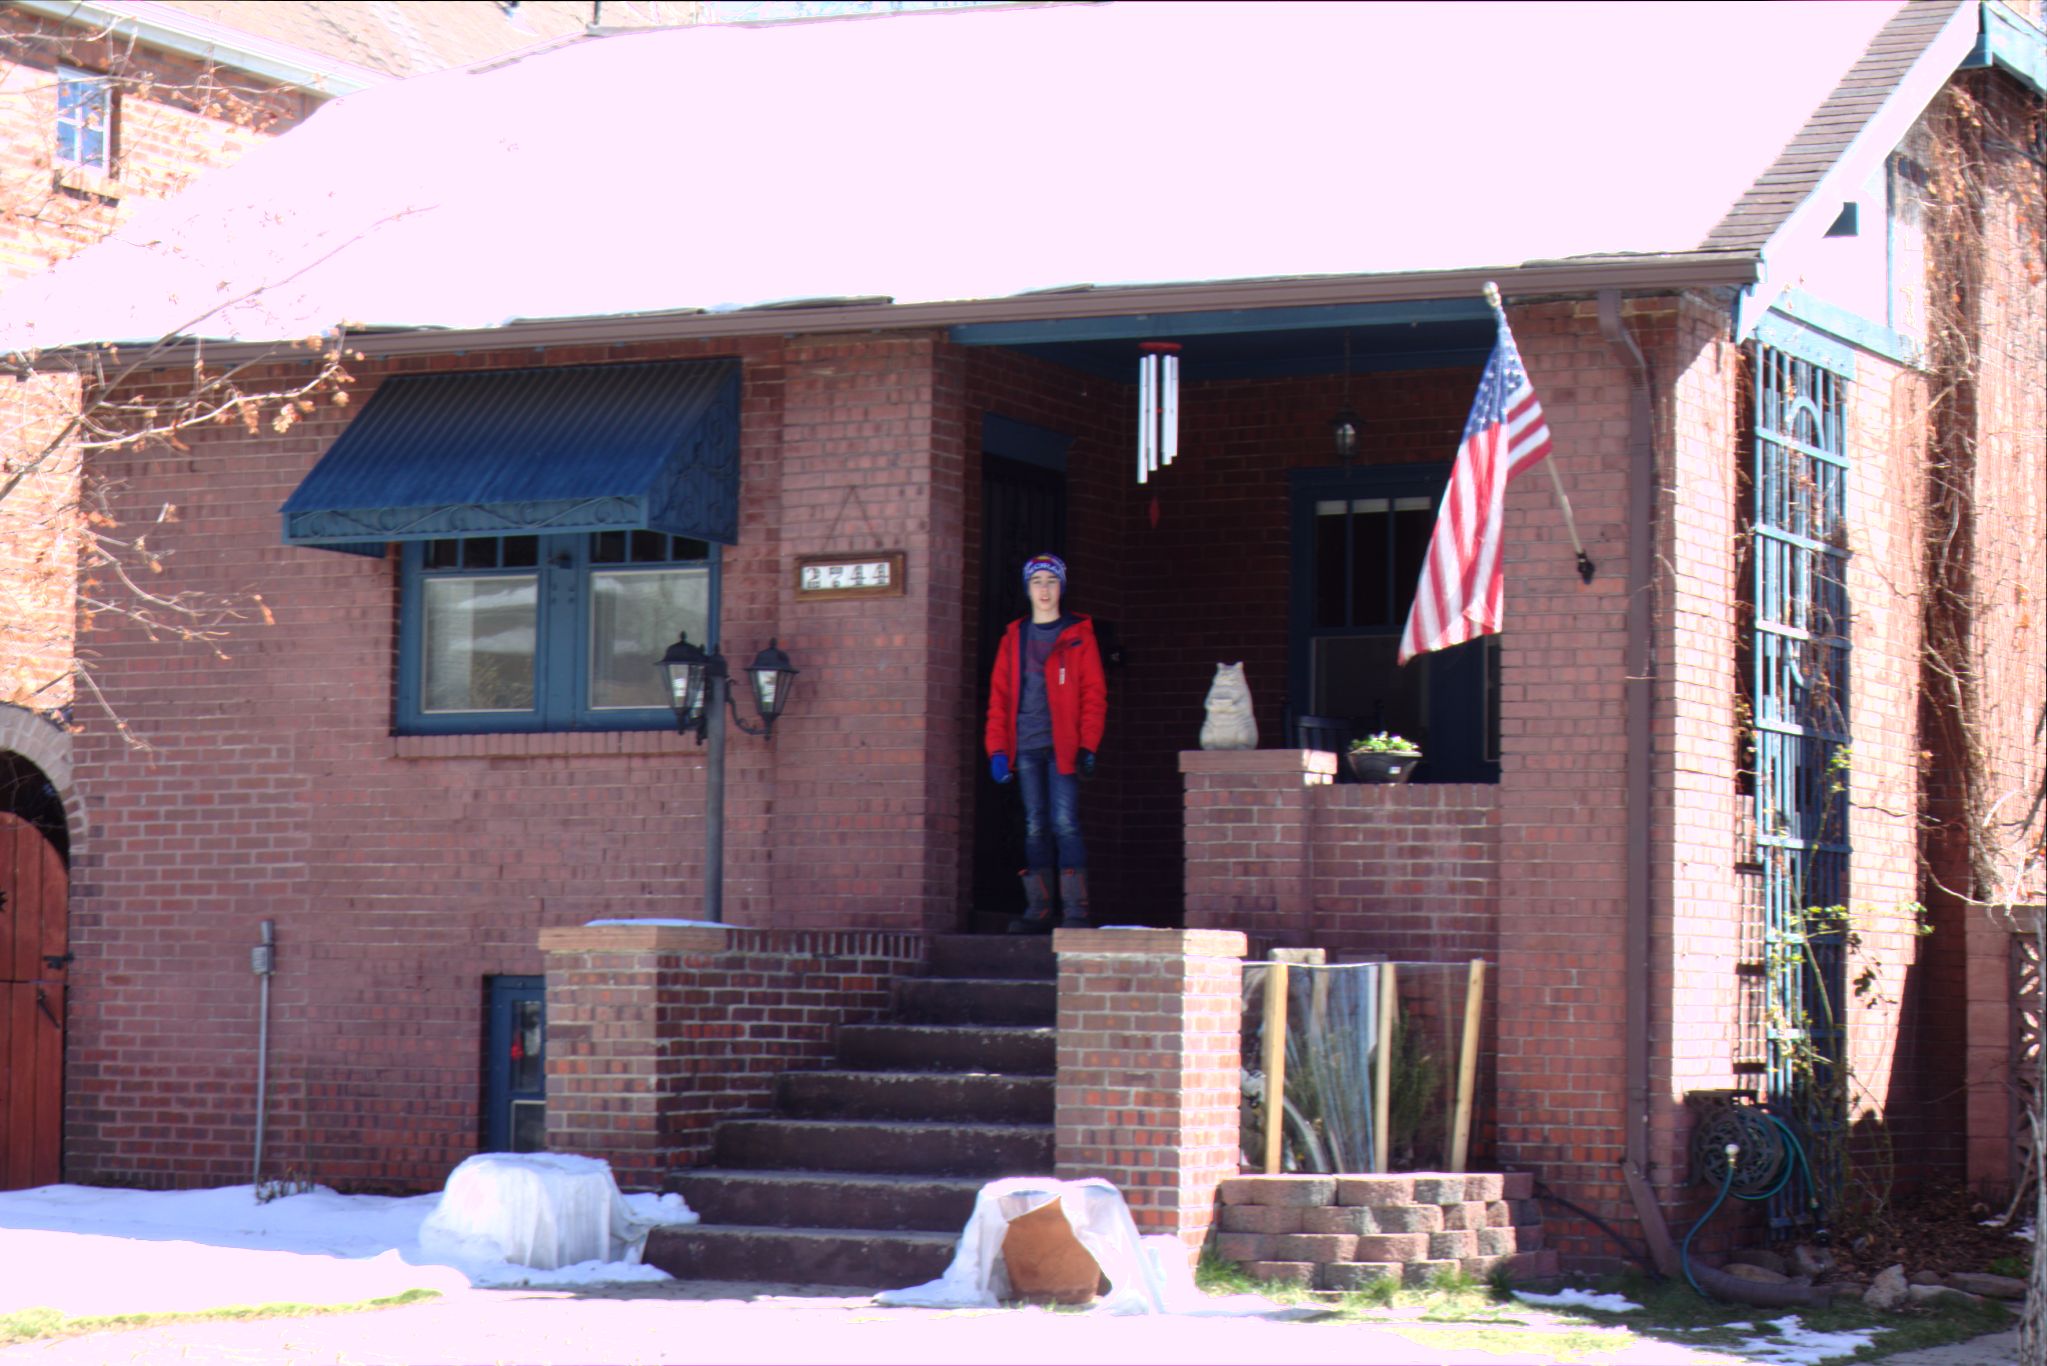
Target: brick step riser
pixel 834 1202
pixel 878 1262
pixel 900 1048
pixel 974 1001
pixel 989 955
pixel 881 1147
pixel 931 1096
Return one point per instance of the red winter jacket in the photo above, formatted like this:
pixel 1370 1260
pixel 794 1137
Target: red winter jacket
pixel 1075 690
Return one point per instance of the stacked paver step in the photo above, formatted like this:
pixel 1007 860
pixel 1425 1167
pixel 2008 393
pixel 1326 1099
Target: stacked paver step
pixel 865 1173
pixel 1345 1232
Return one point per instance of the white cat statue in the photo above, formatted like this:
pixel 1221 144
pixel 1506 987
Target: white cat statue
pixel 1229 723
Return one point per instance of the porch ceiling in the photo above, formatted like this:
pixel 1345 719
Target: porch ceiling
pixel 1259 343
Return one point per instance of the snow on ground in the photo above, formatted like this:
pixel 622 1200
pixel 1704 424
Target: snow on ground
pixel 87 1250
pixel 1607 1304
pixel 1793 1344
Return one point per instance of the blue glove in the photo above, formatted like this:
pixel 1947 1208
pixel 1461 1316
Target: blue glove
pixel 1087 763
pixel 998 767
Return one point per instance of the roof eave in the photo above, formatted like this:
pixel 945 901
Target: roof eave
pixel 187 36
pixel 1577 277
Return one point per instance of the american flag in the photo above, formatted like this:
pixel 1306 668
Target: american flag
pixel 1458 598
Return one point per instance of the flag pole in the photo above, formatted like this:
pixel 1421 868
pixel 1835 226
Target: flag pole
pixel 1585 565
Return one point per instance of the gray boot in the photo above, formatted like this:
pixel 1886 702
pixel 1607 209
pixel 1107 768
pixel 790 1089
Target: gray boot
pixel 1073 907
pixel 1038 916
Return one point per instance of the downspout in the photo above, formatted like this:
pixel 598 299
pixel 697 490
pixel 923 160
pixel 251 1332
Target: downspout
pixel 1640 699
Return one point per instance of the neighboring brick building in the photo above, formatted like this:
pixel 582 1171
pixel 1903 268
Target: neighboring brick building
pixel 1631 791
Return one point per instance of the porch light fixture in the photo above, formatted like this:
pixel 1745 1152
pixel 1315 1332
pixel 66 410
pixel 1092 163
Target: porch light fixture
pixel 699 682
pixel 1343 431
pixel 700 691
pixel 1343 428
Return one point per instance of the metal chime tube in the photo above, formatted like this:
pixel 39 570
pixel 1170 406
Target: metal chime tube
pixel 1169 424
pixel 1147 415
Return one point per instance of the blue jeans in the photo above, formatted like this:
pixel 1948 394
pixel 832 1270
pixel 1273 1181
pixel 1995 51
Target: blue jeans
pixel 1051 803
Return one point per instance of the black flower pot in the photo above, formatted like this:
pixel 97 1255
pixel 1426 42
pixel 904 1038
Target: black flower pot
pixel 1382 765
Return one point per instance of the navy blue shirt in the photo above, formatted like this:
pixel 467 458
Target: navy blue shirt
pixel 1033 711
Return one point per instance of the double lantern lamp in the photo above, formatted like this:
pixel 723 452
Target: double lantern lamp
pixel 692 676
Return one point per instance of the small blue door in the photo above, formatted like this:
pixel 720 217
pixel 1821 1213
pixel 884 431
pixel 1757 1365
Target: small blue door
pixel 515 1066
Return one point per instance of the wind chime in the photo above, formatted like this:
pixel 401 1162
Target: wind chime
pixel 1158 407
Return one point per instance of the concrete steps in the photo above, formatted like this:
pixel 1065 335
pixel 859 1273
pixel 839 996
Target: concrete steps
pixel 865 1173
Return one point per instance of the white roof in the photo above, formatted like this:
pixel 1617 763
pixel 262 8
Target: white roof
pixel 961 155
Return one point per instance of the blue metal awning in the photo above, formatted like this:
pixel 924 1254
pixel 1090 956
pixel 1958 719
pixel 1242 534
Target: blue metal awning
pixel 641 446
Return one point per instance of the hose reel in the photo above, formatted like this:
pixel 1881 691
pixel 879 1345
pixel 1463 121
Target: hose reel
pixel 1738 1139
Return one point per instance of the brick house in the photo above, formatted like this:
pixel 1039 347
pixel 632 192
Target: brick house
pixel 1747 356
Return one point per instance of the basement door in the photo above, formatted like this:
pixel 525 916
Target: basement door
pixel 34 932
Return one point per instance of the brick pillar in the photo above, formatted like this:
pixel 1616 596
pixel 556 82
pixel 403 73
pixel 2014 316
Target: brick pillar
pixel 1250 830
pixel 608 1094
pixel 1148 1087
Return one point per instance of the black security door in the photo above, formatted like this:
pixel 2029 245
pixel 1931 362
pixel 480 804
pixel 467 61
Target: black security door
pixel 1023 511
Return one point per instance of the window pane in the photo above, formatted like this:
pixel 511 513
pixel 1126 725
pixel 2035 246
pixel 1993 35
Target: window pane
pixel 1330 522
pixel 529 1046
pixel 1355 677
pixel 85 108
pixel 634 617
pixel 520 552
pixel 1370 572
pixel 478 646
pixel 607 547
pixel 1414 521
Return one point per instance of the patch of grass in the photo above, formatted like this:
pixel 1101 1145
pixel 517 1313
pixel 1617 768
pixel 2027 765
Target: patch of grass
pixel 2015 1267
pixel 30 1325
pixel 1670 1310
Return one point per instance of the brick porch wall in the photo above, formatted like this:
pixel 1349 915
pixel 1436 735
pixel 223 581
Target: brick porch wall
pixel 656 1032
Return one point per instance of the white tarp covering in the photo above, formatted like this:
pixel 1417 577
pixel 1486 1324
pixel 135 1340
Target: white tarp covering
pixel 543 1210
pixel 971 155
pixel 1146 1274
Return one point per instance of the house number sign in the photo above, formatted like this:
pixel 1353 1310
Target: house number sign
pixel 877 574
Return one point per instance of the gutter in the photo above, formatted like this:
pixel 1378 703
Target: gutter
pixel 1731 270
pixel 1639 713
pixel 189 36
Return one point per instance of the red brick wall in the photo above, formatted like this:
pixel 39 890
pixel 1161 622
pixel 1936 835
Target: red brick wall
pixel 656 1032
pixel 403 871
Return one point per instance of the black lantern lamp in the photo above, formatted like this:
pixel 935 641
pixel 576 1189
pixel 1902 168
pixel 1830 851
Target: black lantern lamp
pixel 1344 427
pixel 772 674
pixel 689 674
pixel 1343 431
pixel 696 685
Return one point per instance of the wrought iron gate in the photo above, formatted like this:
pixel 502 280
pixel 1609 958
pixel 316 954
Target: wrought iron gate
pixel 1799 653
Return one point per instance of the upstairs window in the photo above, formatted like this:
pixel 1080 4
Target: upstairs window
pixel 537 633
pixel 85 120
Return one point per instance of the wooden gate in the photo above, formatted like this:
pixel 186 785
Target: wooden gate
pixel 33 953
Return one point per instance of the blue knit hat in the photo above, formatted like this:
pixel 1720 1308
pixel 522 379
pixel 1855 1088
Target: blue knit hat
pixel 1043 564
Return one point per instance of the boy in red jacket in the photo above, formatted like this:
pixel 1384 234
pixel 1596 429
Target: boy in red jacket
pixel 1047 705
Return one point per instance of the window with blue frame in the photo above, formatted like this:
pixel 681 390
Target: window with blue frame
pixel 1359 536
pixel 85 119
pixel 538 633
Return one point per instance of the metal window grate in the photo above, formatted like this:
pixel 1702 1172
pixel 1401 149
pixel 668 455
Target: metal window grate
pixel 1799 645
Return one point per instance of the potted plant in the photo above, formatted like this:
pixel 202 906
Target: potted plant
pixel 1383 758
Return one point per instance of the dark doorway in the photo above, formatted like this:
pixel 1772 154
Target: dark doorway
pixel 1023 512
pixel 515 1066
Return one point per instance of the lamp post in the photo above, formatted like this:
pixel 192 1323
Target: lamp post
pixel 700 692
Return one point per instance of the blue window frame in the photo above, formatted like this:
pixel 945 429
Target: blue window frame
pixel 547 633
pixel 1358 539
pixel 85 119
